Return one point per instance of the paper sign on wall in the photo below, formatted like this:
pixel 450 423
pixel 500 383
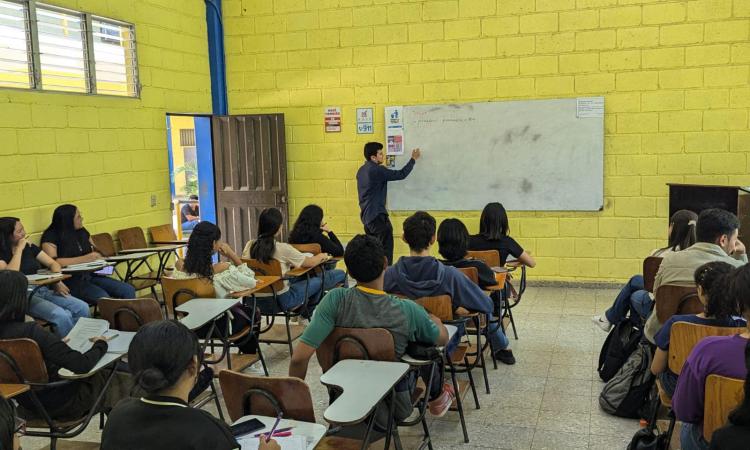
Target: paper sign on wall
pixel 332 119
pixel 394 130
pixel 365 120
pixel 587 107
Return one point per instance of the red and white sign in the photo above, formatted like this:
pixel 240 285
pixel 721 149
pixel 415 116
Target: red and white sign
pixel 332 119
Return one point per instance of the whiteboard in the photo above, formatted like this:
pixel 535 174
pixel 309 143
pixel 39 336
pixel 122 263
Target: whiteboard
pixel 532 155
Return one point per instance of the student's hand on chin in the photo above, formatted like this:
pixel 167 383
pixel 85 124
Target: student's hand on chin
pixel 739 248
pixel 21 244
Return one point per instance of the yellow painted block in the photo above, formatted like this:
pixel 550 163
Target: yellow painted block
pixel 500 26
pixel 476 8
pixel 391 34
pixel 462 29
pixel 426 72
pixel 538 65
pixel 725 119
pixel 637 122
pixel 404 53
pixel 622 145
pixel 587 268
pixel 634 207
pixel 599 83
pixel 707 99
pixel 723 163
pixel 338 96
pixel 707 141
pixel 259 80
pixel 663 143
pixel 274 61
pixel 595 40
pixel 663 57
pixel 295 79
pixel 441 91
pixel 704 55
pixel 371 55
pixel 440 10
pixel 538 23
pixel 656 186
pixel 533 227
pixel 709 9
pixel 554 5
pixel 663 100
pixel 514 7
pixel 637 37
pixel 15 115
pixel 726 76
pixel 258 43
pixel 99 140
pixel 577 227
pixel 494 68
pixel 681 34
pixel 8 141
pixel 48 116
pixel 371 94
pixel 428 31
pixel 579 20
pixel 481 89
pixel 625 16
pixel 282 6
pixel 339 57
pixel 680 121
pixel 305 97
pixel 664 13
pixel 740 98
pixel 555 43
pixel 739 141
pixel 554 247
pixel 515 87
pixel 36 140
pixel 622 186
pixel 626 102
pixel 477 48
pixel 461 70
pixel 680 78
pixel 357 76
pixel 619 269
pixel 290 41
pixel 636 165
pixel 735 30
pixel 439 51
pixel 17 168
pixel 405 93
pixel 635 248
pixel 392 74
pixel 679 164
pixel 323 78
pixel 356 36
pixel 38 193
pixel 13 200
pixel 54 166
pixel 514 46
pixel 265 25
pixel 322 38
pixel 563 85
pixel 579 63
pixel 404 12
pixel 593 248
pixel 335 18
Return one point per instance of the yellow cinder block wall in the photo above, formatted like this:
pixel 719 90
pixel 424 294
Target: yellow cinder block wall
pixel 107 155
pixel 674 75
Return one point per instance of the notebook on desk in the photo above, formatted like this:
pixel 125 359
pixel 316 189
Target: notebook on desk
pixel 86 328
pixel 286 443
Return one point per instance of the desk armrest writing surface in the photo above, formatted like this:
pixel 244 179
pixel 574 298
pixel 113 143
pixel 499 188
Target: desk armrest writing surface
pixel 261 282
pixel 130 256
pixel 171 242
pixel 200 311
pixel 157 249
pixel 12 390
pixel 365 384
pixel 48 281
pixel 106 360
pixel 313 432
pixel 298 272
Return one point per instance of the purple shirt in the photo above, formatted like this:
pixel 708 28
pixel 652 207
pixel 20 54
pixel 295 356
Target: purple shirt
pixel 719 355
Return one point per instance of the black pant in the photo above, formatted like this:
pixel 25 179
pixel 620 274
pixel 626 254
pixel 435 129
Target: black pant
pixel 382 230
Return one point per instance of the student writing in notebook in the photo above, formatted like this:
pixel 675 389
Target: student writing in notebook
pixel 164 360
pixel 52 304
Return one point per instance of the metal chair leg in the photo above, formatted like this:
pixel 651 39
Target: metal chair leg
pixel 427 437
pixel 484 368
pixel 459 404
pixel 471 383
pixel 509 312
pixel 216 400
pixel 289 335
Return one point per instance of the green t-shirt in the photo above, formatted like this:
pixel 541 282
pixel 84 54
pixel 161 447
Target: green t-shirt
pixel 353 308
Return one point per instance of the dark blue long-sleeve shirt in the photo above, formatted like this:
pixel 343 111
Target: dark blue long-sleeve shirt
pixel 372 186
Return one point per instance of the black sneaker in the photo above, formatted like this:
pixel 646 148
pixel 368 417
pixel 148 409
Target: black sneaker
pixel 505 357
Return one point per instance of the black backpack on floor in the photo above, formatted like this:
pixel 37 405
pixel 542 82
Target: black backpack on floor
pixel 627 392
pixel 619 345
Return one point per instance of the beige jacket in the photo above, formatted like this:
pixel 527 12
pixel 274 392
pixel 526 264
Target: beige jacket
pixel 678 268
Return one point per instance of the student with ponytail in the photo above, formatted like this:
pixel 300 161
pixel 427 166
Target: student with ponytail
pixel 736 434
pixel 720 355
pixel 265 248
pixel 719 311
pixel 164 359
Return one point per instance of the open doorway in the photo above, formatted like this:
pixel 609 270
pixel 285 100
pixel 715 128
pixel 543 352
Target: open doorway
pixel 191 171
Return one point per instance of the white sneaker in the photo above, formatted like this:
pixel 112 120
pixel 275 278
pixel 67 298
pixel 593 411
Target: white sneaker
pixel 602 323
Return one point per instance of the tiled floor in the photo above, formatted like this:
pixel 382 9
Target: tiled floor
pixel 548 400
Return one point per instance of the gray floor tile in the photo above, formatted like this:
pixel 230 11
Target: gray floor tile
pixel 555 440
pixel 564 421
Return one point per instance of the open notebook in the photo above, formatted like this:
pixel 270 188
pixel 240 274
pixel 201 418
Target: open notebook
pixel 86 328
pixel 287 443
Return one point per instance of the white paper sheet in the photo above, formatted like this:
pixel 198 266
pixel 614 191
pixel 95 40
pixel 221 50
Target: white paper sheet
pixel 85 329
pixel 287 443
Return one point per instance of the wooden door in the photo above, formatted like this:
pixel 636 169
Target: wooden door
pixel 250 173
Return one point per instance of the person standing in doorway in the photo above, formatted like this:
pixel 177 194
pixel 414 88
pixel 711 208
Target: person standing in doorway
pixel 372 187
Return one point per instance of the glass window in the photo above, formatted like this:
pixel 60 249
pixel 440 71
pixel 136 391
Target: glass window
pixel 114 57
pixel 62 51
pixel 15 64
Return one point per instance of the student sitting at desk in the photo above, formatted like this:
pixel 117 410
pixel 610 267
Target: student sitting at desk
pixel 494 234
pixel 735 435
pixel 226 277
pixel 190 214
pixel 68 242
pixel 421 275
pixel 453 243
pixel 367 306
pixel 74 399
pixel 164 359
pixel 266 248
pixel 55 305
pixel 310 229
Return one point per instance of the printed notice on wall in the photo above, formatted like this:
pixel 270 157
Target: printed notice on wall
pixel 394 130
pixel 365 118
pixel 332 119
pixel 588 107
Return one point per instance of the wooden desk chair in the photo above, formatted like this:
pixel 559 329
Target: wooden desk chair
pixel 485 328
pixel 683 337
pixel 178 291
pixel 21 362
pixel 722 396
pixel 268 396
pixel 511 295
pixel 106 246
pixel 130 314
pixel 314 249
pixel 375 344
pixel 671 300
pixel 650 268
pixel 458 361
pixel 134 238
pixel 163 233
pixel 271 333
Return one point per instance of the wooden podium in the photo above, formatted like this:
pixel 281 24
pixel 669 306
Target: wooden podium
pixel 695 197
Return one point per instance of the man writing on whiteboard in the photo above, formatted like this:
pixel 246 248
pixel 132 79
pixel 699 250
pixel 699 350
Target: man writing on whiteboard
pixel 372 186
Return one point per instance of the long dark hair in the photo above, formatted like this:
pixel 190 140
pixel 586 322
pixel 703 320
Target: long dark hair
pixel 453 239
pixel 63 222
pixel 14 304
pixel 160 353
pixel 7 423
pixel 683 230
pixel 307 225
pixel 269 222
pixel 712 278
pixel 200 249
pixel 493 224
pixel 7 228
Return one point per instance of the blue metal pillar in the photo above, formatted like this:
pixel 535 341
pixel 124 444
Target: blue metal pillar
pixel 216 60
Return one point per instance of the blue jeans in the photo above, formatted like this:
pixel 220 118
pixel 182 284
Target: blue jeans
pixel 498 340
pixel 90 288
pixel 189 225
pixel 295 296
pixel 691 437
pixel 59 310
pixel 631 298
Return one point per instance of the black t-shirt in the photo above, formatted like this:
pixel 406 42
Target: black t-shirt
pixel 486 275
pixel 29 264
pixel 506 245
pixel 135 423
pixel 330 244
pixel 730 437
pixel 70 245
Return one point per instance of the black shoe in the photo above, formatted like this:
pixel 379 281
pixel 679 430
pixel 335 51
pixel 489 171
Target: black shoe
pixel 505 357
